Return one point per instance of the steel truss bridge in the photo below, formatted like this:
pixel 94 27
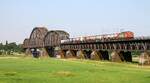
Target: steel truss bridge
pixel 49 42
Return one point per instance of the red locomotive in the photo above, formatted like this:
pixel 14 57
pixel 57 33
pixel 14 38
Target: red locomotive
pixel 115 36
pixel 126 35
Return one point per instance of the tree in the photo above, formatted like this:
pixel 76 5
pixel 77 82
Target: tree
pixel 1 48
pixel 9 48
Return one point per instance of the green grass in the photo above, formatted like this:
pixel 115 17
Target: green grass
pixel 29 70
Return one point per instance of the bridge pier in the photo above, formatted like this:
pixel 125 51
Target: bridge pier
pixel 144 58
pixel 96 55
pixel 81 54
pixel 120 56
pixel 115 57
pixel 28 52
pixel 61 54
pixel 71 54
pixel 43 52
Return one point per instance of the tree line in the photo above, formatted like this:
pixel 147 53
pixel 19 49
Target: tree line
pixel 10 48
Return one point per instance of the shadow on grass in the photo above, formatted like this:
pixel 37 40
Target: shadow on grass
pixel 10 73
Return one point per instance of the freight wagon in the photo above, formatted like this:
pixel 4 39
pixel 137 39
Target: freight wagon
pixel 96 38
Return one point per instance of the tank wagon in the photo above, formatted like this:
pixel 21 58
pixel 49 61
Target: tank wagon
pixel 100 38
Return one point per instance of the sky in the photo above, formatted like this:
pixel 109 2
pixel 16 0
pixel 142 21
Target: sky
pixel 77 17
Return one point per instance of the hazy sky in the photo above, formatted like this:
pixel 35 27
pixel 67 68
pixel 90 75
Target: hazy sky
pixel 78 17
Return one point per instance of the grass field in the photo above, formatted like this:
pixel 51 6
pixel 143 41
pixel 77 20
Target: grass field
pixel 29 70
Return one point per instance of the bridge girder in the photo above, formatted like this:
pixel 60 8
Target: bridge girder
pixel 128 46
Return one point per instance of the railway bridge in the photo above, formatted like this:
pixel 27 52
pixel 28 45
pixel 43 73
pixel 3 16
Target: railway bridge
pixel 115 50
pixel 50 43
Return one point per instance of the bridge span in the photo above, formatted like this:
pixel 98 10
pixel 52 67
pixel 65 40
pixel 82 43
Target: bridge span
pixel 116 50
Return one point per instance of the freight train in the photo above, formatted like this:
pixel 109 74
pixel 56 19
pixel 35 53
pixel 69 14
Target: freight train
pixel 99 38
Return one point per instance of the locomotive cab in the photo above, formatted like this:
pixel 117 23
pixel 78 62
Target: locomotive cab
pixel 126 35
